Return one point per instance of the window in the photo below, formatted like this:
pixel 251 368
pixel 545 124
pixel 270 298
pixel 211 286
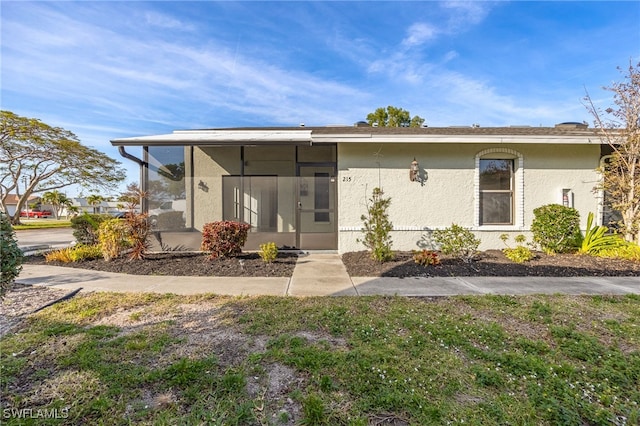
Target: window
pixel 499 189
pixel 496 192
pixel 321 197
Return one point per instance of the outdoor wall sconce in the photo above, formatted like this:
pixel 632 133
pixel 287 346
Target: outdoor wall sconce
pixel 414 171
pixel 203 186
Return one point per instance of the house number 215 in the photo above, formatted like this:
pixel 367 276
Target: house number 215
pixel 346 178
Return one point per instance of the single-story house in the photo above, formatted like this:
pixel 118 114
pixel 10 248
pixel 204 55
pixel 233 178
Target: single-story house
pixel 11 202
pixel 308 187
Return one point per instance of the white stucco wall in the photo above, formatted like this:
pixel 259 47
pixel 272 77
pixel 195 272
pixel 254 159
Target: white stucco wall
pixel 448 195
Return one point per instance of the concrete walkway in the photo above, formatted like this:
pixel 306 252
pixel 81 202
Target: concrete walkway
pixel 323 274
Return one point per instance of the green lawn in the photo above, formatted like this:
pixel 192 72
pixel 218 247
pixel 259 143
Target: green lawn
pixel 42 224
pixel 481 360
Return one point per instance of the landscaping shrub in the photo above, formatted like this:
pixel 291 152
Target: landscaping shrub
pixel 426 257
pixel 377 227
pixel 628 251
pixel 556 228
pixel 596 239
pixel 268 252
pixel 74 254
pixel 10 255
pixel 113 238
pixel 520 253
pixel 224 238
pixel 458 242
pixel 137 233
pixel 85 227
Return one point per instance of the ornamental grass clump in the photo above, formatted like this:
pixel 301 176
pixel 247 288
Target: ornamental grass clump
pixel 377 227
pixel 224 238
pixel 74 254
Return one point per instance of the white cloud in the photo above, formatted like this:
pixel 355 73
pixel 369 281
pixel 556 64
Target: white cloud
pixel 466 13
pixel 419 33
pixel 160 20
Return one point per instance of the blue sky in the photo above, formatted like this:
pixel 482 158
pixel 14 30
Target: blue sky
pixel 105 70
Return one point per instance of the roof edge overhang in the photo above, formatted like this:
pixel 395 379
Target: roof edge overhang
pixel 451 139
pixel 257 137
pixel 220 138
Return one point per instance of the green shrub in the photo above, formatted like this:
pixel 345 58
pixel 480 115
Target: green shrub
pixel 426 257
pixel 268 252
pixel 596 239
pixel 85 227
pixel 458 242
pixel 10 255
pixel 556 228
pixel 224 238
pixel 520 253
pixel 113 238
pixel 377 227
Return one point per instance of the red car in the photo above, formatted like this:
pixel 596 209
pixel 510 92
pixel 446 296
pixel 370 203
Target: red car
pixel 36 213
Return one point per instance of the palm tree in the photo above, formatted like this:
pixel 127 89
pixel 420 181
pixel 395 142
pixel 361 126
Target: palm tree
pixel 95 200
pixel 57 200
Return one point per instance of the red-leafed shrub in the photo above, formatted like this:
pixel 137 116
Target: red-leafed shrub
pixel 224 238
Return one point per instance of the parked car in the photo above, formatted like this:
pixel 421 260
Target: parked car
pixel 36 213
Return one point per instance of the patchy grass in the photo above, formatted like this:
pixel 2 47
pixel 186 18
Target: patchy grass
pixel 166 359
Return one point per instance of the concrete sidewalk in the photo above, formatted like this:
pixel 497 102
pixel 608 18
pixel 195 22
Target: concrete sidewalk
pixel 323 274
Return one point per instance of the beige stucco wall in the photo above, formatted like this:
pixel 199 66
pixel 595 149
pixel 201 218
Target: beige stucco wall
pixel 448 194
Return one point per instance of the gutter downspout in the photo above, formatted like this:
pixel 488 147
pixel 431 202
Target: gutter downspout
pixel 143 183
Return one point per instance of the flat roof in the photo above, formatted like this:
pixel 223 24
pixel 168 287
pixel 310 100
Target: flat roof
pixel 367 134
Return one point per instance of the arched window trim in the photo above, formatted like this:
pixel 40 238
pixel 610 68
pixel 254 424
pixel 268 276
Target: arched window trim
pixel 503 153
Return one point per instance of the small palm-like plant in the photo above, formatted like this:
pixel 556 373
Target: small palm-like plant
pixel 596 239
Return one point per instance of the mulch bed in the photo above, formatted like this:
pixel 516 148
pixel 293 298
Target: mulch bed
pixel 187 264
pixel 491 263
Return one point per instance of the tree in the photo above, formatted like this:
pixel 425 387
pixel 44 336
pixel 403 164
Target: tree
pixel 95 200
pixel 393 117
pixel 46 158
pixel 619 127
pixel 377 227
pixel 57 200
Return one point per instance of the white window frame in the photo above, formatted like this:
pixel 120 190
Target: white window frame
pixel 518 187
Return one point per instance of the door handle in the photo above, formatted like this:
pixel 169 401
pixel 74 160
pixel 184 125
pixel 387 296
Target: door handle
pixel 299 204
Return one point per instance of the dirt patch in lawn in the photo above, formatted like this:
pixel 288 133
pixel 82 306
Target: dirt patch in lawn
pixel 491 263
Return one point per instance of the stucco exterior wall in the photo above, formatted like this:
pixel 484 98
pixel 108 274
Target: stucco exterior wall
pixel 448 195
pixel 209 165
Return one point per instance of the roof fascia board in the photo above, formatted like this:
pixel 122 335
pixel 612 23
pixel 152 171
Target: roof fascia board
pixel 476 139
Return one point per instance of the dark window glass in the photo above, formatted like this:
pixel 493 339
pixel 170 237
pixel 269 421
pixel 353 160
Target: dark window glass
pixel 496 192
pixel 321 196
